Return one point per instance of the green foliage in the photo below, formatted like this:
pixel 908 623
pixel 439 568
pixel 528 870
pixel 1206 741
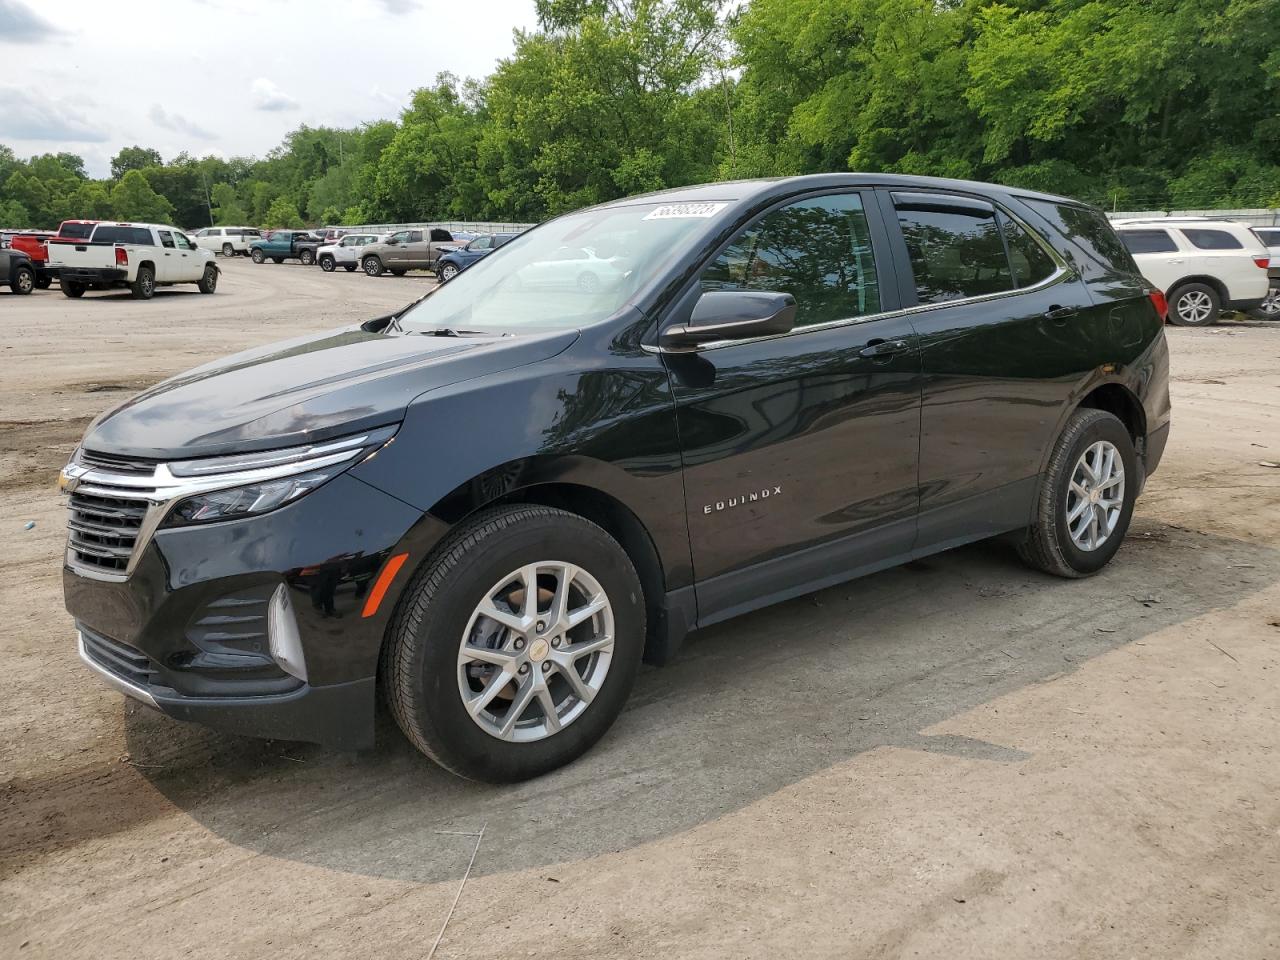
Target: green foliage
pixel 282 213
pixel 134 199
pixel 134 158
pixel 14 214
pixel 226 207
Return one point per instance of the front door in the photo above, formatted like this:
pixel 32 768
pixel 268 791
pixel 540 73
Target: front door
pixel 190 263
pixel 800 451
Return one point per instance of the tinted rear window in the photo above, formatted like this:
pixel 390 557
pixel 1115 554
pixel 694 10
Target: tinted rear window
pixel 110 234
pixel 1212 239
pixel 1088 229
pixel 1148 241
pixel 78 231
pixel 1270 237
pixel 956 251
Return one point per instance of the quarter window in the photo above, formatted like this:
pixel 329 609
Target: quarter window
pixel 1030 263
pixel 1148 241
pixel 956 251
pixel 1212 239
pixel 817 250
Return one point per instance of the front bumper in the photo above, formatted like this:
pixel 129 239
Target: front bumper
pixel 190 630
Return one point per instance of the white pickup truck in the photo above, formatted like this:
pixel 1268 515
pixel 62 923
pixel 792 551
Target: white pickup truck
pixel 140 256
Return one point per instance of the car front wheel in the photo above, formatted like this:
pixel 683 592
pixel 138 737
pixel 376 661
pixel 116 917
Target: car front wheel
pixel 1194 305
pixel 1086 497
pixel 373 266
pixel 327 264
pixel 447 272
pixel 516 645
pixel 23 281
pixel 209 282
pixel 257 256
pixel 1269 309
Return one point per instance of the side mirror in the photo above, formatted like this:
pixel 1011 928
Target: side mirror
pixel 733 315
pixel 392 241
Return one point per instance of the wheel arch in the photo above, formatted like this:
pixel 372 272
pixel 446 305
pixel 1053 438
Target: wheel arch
pixel 1121 402
pixel 1213 282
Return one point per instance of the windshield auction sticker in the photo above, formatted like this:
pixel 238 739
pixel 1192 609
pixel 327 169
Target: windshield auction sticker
pixel 685 211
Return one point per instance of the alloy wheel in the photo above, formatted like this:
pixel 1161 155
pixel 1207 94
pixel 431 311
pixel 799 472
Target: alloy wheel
pixel 536 651
pixel 1270 307
pixel 25 281
pixel 1194 306
pixel 1095 497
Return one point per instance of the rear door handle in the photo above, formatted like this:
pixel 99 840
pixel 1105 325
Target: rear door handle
pixel 1060 314
pixel 882 348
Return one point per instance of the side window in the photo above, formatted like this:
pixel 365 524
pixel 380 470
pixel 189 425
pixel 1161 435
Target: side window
pixel 1148 241
pixel 204 233
pixel 818 250
pixel 440 236
pixel 1088 229
pixel 415 236
pixel 1029 260
pixel 348 242
pixel 166 238
pixel 480 243
pixel 184 243
pixel 1212 239
pixel 956 251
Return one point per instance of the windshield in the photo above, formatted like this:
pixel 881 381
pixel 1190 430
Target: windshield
pixel 574 270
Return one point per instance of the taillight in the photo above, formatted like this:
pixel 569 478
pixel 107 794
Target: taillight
pixel 1263 262
pixel 1160 303
pixel 122 257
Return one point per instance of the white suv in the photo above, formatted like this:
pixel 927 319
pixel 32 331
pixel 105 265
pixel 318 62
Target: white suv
pixel 1203 266
pixel 227 241
pixel 345 253
pixel 1270 309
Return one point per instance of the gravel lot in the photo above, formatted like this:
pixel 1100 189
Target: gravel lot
pixel 956 758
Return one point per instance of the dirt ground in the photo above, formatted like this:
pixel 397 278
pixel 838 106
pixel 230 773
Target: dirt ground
pixel 956 758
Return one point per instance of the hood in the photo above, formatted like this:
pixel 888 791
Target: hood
pixel 304 390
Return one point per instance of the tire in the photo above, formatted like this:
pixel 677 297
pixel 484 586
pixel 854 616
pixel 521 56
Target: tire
pixel 1269 309
pixel 423 681
pixel 327 264
pixel 372 266
pixel 349 267
pixel 277 259
pixel 307 257
pixel 447 272
pixel 72 289
pixel 257 256
pixel 397 272
pixel 1194 305
pixel 144 284
pixel 23 281
pixel 209 282
pixel 1049 544
pixel 44 281
pixel 228 250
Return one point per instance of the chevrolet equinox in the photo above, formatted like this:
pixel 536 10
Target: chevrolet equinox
pixel 630 422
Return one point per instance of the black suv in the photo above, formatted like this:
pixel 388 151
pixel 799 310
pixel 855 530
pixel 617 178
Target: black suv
pixel 629 422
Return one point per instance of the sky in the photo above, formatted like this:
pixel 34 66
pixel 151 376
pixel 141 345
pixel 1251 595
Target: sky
pixel 227 77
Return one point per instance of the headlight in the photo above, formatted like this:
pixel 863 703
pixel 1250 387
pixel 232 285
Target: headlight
pixel 224 488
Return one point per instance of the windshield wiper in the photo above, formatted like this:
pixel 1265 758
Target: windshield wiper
pixel 454 332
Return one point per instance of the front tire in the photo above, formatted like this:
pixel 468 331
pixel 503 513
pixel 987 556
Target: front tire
pixel 144 284
pixel 23 281
pixel 307 257
pixel 447 272
pixel 44 281
pixel 1086 497
pixel 257 256
pixel 327 264
pixel 373 266
pixel 1194 305
pixel 1269 309
pixel 209 282
pixel 477 660
pixel 349 267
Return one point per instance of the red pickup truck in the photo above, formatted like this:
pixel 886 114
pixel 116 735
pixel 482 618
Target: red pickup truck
pixel 35 244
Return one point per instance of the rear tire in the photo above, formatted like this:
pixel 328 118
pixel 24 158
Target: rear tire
pixel 257 256
pixel 228 250
pixel 307 257
pixel 1194 305
pixel 23 281
pixel 1269 309
pixel 144 284
pixel 397 272
pixel 372 266
pixel 209 282
pixel 72 289
pixel 1050 544
pixel 327 264
pixel 433 628
pixel 277 259
pixel 349 267
pixel 43 281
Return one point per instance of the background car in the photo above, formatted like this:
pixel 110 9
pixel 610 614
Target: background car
pixel 1203 266
pixel 1269 309
pixel 228 241
pixel 281 245
pixel 404 250
pixel 346 252
pixel 17 272
pixel 455 261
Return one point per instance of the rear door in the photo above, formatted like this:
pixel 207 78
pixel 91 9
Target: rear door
pixel 1218 253
pixel 416 253
pixel 800 451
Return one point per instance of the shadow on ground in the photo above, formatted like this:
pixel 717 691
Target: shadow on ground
pixel 751 706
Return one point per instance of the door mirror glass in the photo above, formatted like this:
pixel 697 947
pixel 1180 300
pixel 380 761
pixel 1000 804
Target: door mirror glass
pixel 733 315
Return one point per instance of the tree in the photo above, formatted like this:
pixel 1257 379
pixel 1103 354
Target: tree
pixel 133 199
pixel 14 214
pixel 226 208
pixel 282 213
pixel 134 158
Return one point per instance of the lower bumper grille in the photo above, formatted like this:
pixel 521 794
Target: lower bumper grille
pixel 126 662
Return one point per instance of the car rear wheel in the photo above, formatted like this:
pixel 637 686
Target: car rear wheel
pixel 209 282
pixel 397 272
pixel 23 281
pixel 373 266
pixel 1269 309
pixel 257 256
pixel 307 257
pixel 327 264
pixel 277 259
pixel 144 284
pixel 516 644
pixel 72 289
pixel 1086 497
pixel 43 281
pixel 1194 305
pixel 447 272
pixel 228 250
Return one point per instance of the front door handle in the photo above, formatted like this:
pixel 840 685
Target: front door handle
pixel 1060 315
pixel 882 349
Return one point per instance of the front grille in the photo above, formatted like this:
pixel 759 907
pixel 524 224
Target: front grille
pixel 132 466
pixel 126 662
pixel 102 530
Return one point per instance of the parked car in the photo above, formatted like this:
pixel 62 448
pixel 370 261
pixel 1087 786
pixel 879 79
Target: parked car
pixel 228 241
pixel 140 256
pixel 1269 309
pixel 17 272
pixel 328 235
pixel 1203 266
pixel 494 502
pixel 455 261
pixel 35 244
pixel 407 250
pixel 345 253
pixel 281 245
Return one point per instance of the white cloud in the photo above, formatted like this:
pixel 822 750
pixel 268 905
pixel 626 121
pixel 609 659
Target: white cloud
pixel 267 96
pixel 30 115
pixel 395 7
pixel 178 124
pixel 20 24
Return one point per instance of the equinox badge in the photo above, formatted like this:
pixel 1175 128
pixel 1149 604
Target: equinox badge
pixel 732 502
